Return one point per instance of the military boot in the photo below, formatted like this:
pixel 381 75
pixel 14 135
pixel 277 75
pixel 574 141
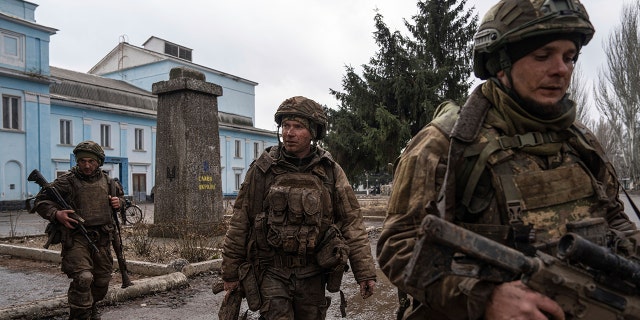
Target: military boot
pixel 79 314
pixel 95 314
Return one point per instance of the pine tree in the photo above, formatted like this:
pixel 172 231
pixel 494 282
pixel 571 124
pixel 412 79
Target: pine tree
pixel 405 80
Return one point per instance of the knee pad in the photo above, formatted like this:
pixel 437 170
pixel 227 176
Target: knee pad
pixel 83 279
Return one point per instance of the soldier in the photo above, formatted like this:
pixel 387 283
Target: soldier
pixel 515 167
pixel 296 220
pixel 86 189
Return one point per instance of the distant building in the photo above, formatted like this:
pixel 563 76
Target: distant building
pixel 46 111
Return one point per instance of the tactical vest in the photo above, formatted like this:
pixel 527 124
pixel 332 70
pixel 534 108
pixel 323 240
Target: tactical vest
pixel 297 203
pixel 296 212
pixel 535 196
pixel 91 201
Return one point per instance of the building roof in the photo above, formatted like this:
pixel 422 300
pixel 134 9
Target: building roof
pixel 91 89
pixel 77 88
pixel 152 57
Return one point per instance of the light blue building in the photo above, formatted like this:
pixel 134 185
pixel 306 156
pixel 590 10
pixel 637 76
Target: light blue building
pixel 46 111
pixel 24 87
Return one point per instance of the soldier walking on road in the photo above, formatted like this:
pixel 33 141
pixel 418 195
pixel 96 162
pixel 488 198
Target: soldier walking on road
pixel 296 222
pixel 512 165
pixel 86 189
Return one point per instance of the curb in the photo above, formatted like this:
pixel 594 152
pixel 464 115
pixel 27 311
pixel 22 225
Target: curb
pixel 163 277
pixel 141 287
pixel 138 267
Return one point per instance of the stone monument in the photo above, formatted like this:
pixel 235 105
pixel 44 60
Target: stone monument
pixel 188 194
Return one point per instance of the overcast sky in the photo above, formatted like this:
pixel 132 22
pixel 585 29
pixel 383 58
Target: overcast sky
pixel 290 47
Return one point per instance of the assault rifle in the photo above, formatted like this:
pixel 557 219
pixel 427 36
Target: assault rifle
pixel 53 227
pixel 588 281
pixel 117 241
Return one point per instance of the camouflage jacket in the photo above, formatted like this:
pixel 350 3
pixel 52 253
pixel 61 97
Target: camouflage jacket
pixel 419 176
pixel 239 243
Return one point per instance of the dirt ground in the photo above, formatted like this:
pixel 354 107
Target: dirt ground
pixel 196 300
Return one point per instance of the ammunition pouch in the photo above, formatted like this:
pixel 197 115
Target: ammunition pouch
pixel 333 249
pixel 249 283
pixel 54 234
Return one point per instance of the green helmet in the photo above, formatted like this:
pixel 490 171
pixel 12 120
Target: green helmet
pixel 306 108
pixel 511 21
pixel 89 148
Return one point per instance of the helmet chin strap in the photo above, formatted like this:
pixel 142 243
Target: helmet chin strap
pixel 505 65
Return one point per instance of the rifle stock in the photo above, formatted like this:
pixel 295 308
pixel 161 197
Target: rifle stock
pixel 36 176
pixel 582 292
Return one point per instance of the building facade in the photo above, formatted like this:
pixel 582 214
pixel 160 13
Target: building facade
pixel 46 110
pixel 24 87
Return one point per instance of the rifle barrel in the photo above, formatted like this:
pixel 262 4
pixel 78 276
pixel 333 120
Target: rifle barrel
pixel 576 248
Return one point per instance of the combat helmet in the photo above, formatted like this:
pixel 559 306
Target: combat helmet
pixel 304 107
pixel 509 22
pixel 90 147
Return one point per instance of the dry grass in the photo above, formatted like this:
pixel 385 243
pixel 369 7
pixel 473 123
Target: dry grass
pixel 140 247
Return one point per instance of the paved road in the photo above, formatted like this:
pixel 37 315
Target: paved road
pixel 194 302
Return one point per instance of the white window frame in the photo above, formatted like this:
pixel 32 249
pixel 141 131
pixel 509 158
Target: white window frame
pixel 238 180
pixel 139 139
pixel 17 58
pixel 11 113
pixel 105 135
pixel 238 149
pixel 256 150
pixel 66 134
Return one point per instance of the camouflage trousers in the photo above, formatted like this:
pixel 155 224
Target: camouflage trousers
pixel 293 298
pixel 90 271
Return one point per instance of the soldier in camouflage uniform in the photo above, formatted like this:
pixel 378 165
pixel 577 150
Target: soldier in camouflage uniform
pixel 519 177
pixel 86 189
pixel 295 223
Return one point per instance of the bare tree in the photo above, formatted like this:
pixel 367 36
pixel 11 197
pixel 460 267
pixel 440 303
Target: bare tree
pixel 578 93
pixel 608 138
pixel 617 96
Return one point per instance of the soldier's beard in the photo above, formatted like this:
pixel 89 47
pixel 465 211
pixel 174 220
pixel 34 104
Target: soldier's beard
pixel 546 111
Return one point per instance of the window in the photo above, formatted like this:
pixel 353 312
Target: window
pixel 171 49
pixel 185 54
pixel 238 180
pixel 105 135
pixel 139 137
pixel 177 51
pixel 238 149
pixel 11 113
pixel 256 150
pixel 11 51
pixel 65 132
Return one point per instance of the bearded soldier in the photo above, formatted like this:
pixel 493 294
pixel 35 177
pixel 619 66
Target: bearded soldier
pixel 296 222
pixel 511 164
pixel 86 189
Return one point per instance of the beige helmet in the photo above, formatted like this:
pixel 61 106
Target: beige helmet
pixel 511 21
pixel 299 106
pixel 89 149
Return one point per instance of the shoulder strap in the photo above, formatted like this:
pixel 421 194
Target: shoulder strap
pixel 465 130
